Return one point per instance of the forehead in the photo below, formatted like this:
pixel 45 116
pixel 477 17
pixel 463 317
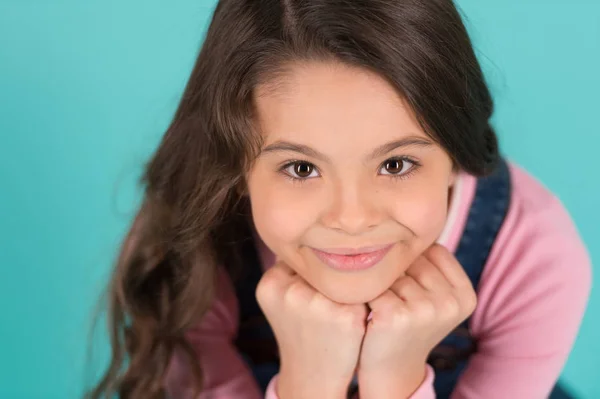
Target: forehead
pixel 319 100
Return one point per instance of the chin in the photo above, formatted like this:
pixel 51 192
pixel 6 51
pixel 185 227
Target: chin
pixel 351 296
pixel 358 287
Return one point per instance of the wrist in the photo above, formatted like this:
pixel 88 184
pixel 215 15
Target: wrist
pixel 392 383
pixel 294 386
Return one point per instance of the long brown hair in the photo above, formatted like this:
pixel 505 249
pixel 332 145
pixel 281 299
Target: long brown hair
pixel 193 205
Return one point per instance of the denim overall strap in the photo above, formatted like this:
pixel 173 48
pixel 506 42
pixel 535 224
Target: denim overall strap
pixel 486 215
pixel 257 344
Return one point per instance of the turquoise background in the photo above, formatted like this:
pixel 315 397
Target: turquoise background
pixel 87 88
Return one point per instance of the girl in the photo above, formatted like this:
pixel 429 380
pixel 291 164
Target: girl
pixel 328 213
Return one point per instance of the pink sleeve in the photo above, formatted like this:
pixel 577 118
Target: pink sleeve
pixel 532 298
pixel 425 391
pixel 272 389
pixel 226 375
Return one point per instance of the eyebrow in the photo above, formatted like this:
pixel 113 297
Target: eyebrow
pixel 288 146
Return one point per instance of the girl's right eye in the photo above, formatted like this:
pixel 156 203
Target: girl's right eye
pixel 300 170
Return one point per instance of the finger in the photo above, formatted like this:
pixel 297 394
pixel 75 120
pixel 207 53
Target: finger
pixel 409 290
pixel 448 265
pixel 428 276
pixel 281 287
pixel 387 300
pixel 385 309
pixel 463 290
pixel 299 292
pixel 277 279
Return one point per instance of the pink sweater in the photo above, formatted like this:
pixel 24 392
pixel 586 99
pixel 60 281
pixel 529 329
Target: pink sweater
pixel 532 296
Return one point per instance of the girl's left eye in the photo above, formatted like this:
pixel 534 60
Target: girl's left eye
pixel 397 167
pixel 300 170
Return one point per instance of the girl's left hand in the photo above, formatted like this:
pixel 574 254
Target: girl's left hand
pixel 409 320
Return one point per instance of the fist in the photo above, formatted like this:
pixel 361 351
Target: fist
pixel 409 319
pixel 319 340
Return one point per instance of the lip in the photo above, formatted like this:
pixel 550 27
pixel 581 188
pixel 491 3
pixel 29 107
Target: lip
pixel 353 251
pixel 350 259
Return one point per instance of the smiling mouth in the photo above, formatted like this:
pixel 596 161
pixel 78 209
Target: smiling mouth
pixel 347 259
pixel 353 251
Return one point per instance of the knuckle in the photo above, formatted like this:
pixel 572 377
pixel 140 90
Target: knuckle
pixel 272 276
pixel 425 278
pixel 296 295
pixel 439 255
pixel 464 282
pixel 267 288
pixel 320 306
pixel 352 318
pixel 425 310
pixel 418 265
pixel 400 318
pixel 450 306
pixel 402 285
pixel 438 251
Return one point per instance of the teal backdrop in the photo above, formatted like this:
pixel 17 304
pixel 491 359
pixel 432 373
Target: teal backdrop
pixel 87 88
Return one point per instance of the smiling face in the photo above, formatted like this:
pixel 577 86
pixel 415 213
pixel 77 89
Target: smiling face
pixel 345 164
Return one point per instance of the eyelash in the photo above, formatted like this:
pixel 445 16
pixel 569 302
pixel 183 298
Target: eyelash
pixel 415 166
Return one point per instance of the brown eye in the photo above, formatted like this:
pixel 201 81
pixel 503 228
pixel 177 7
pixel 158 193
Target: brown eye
pixel 394 166
pixel 397 167
pixel 301 170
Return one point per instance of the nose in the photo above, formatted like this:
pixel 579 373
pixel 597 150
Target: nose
pixel 352 209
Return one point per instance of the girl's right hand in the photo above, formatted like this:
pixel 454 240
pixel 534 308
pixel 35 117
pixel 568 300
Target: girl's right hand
pixel 319 340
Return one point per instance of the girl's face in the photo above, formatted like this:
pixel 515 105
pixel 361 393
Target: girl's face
pixel 345 165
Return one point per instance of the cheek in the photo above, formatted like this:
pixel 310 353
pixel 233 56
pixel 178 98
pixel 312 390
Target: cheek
pixel 423 210
pixel 280 215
